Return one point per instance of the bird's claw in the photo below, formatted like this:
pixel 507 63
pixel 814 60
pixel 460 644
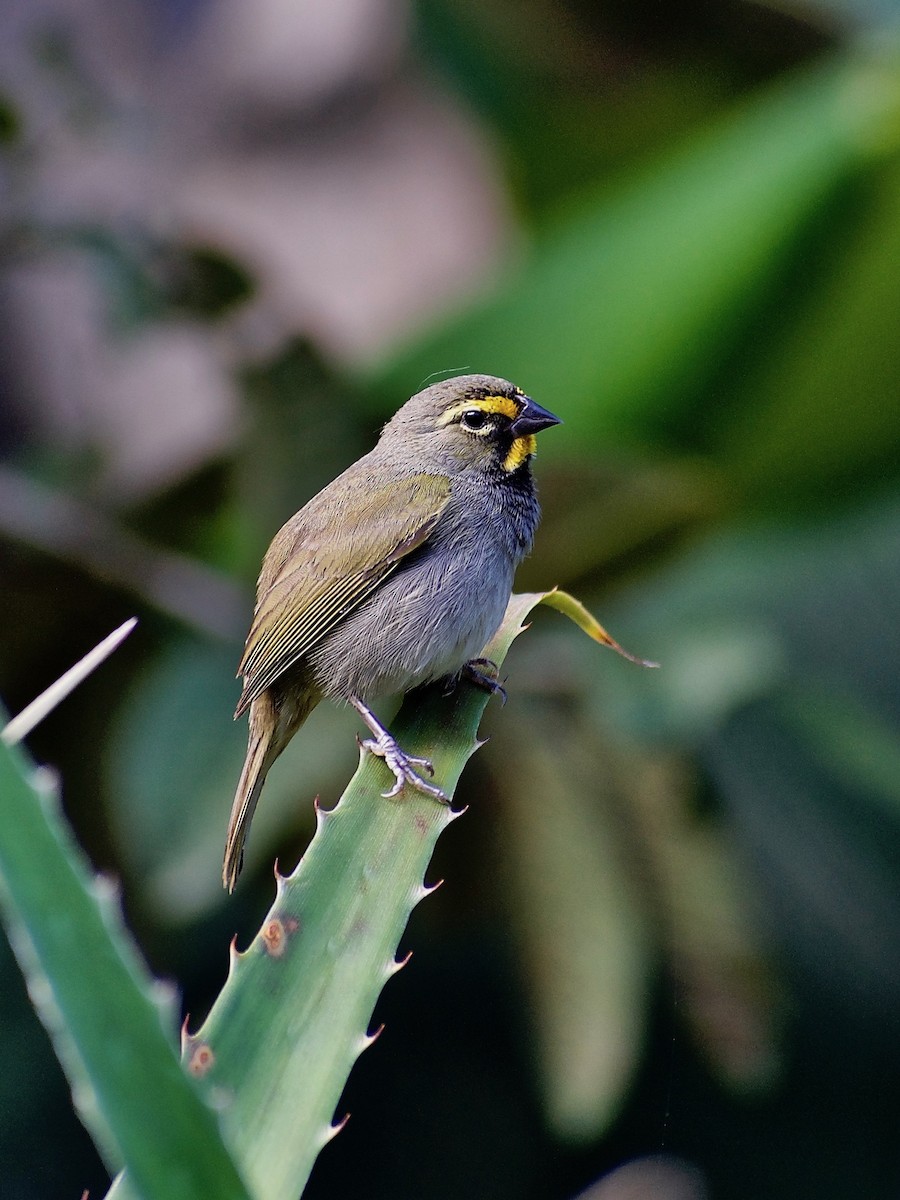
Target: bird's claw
pixel 487 682
pixel 401 765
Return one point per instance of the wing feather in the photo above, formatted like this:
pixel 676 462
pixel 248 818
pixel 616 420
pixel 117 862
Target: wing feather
pixel 327 559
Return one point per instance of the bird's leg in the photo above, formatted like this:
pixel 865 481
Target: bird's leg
pixel 401 764
pixel 487 682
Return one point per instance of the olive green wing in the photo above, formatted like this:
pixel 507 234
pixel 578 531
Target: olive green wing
pixel 327 559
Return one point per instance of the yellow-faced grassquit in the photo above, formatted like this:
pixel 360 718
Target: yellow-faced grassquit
pixel 396 574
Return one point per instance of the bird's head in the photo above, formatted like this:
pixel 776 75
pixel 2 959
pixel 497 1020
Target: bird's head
pixel 470 421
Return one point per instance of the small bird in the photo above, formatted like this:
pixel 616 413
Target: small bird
pixel 396 574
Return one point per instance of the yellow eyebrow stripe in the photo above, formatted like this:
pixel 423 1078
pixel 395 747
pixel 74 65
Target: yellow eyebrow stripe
pixel 504 405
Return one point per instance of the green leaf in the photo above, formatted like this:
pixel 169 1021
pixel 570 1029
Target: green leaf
pixel 708 924
pixel 630 298
pixel 856 742
pixel 112 1026
pixel 780 653
pixel 818 410
pixel 584 932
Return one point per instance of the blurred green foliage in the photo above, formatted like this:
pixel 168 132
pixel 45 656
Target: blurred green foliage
pixel 701 958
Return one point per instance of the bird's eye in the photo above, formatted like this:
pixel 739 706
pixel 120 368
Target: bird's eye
pixel 474 419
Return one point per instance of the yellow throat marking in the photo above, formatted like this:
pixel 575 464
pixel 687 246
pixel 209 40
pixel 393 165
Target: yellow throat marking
pixel 522 448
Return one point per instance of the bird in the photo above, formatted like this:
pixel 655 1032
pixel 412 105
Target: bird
pixel 396 574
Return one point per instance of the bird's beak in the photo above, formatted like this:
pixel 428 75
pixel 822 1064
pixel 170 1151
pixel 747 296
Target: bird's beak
pixel 532 419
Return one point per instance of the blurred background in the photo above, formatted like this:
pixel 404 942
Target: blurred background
pixel 233 239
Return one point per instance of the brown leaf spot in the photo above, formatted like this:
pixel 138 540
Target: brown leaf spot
pixel 274 936
pixel 201 1060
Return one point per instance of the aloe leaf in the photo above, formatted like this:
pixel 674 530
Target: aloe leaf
pixel 275 1052
pixel 575 611
pixel 111 1025
pixel 22 724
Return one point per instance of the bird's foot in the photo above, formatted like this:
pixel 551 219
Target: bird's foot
pixel 401 764
pixel 488 682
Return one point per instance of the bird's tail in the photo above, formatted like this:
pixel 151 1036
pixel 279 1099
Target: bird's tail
pixel 271 728
pixel 261 753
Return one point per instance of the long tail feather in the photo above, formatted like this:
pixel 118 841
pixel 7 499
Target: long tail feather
pixel 272 725
pixel 262 751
